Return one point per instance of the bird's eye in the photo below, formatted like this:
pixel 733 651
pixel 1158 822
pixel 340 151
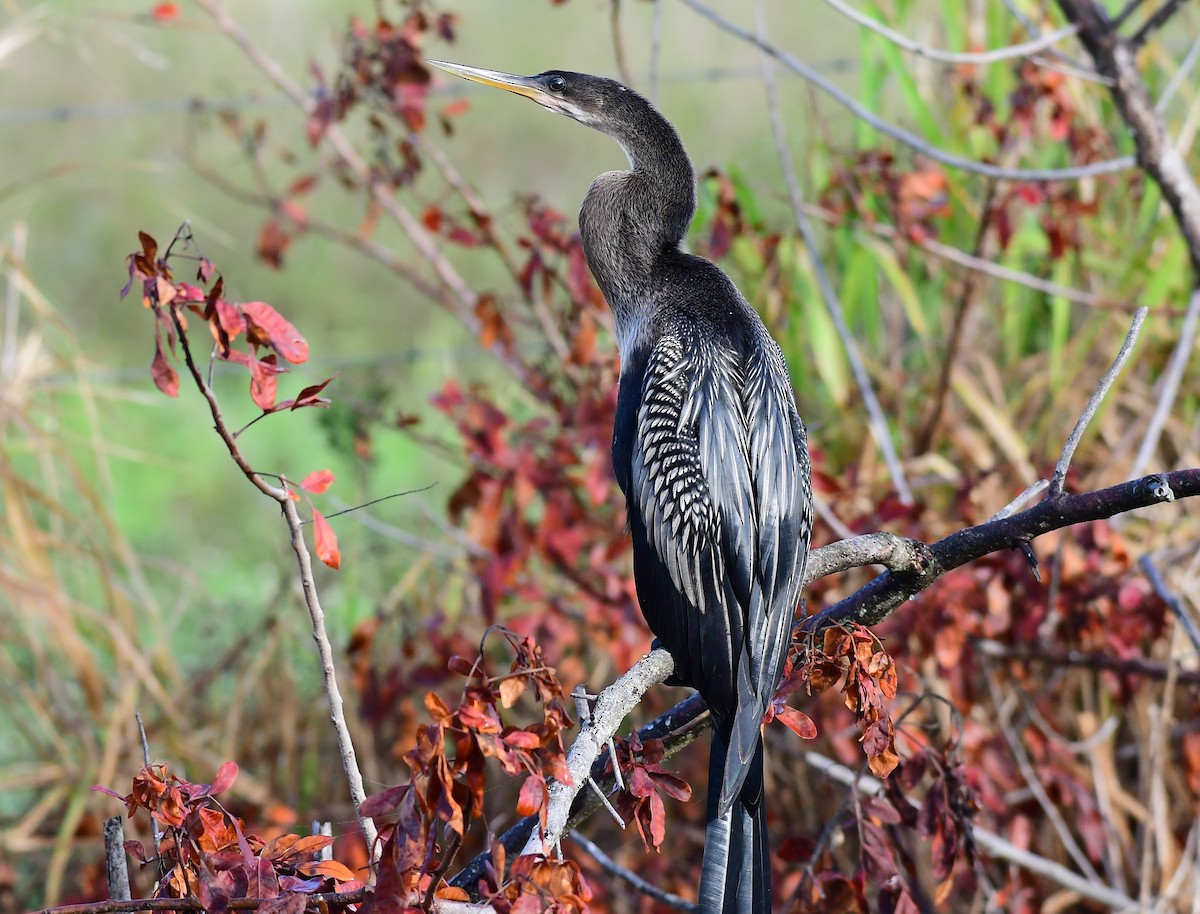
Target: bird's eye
pixel 556 84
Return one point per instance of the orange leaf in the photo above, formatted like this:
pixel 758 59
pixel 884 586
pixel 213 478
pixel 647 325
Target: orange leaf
pixel 263 382
pixel 797 721
pixel 327 547
pixel 277 330
pixel 333 869
pixel 317 481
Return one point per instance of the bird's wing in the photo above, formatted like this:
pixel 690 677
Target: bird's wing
pixel 717 480
pixel 779 473
pixel 692 502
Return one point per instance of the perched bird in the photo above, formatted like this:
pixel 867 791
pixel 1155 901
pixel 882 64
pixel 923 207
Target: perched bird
pixel 709 450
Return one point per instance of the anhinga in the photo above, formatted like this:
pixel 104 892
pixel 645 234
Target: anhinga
pixel 709 451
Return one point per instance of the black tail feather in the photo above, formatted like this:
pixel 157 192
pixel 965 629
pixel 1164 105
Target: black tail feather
pixel 736 877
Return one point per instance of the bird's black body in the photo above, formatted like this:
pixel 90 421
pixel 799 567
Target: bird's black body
pixel 710 453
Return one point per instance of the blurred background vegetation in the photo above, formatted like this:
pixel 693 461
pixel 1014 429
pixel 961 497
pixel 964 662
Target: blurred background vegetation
pixel 137 573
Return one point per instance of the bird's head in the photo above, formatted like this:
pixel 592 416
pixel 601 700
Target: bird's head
pixel 591 100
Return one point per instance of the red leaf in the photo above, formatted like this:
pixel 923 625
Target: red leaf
pixel 658 820
pixel 797 721
pixel 165 12
pixel 522 739
pixel 533 795
pixel 388 801
pixel 672 785
pixel 226 775
pixel 317 481
pixel 165 377
pixel 327 547
pixel 276 331
pixel 263 382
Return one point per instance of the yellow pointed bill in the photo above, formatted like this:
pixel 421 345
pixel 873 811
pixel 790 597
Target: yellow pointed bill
pixel 521 85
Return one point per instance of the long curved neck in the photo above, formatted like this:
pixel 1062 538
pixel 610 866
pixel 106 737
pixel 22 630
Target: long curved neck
pixel 630 219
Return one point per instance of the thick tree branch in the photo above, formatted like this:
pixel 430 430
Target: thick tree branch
pixel 1156 154
pixel 878 598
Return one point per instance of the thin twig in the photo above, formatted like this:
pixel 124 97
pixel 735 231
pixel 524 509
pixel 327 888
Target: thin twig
pixel 156 829
pixel 1030 493
pixel 610 866
pixel 966 298
pixel 878 421
pixel 1178 78
pixel 307 581
pixel 1156 154
pixel 1024 49
pixel 1093 404
pixel 1174 603
pixel 1107 166
pixel 1155 22
pixel 1169 385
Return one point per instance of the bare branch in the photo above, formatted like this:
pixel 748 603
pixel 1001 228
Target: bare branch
pixel 1156 21
pixel 1173 602
pixel 877 599
pixel 1107 166
pixel 878 421
pixel 1030 493
pixel 1169 385
pixel 612 706
pixel 610 866
pixel 1156 154
pixel 895 552
pixel 114 859
pixel 1098 395
pixel 1024 49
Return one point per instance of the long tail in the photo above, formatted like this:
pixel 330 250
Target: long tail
pixel 736 878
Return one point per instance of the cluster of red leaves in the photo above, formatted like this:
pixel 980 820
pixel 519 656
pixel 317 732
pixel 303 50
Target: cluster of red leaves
pixel 448 777
pixel 263 329
pixel 873 184
pixel 647 781
pixel 206 852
